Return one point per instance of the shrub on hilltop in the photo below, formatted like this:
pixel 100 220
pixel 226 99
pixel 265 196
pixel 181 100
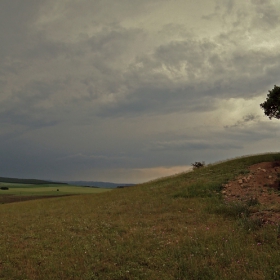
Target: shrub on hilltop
pixel 198 164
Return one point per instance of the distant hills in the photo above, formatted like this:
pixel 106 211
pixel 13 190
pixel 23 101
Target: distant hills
pixel 93 184
pixel 90 184
pixel 26 181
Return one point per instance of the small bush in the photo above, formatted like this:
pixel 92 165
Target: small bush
pixel 4 188
pixel 198 164
pixel 234 210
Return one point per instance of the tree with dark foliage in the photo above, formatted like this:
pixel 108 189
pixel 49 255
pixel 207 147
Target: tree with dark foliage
pixel 271 106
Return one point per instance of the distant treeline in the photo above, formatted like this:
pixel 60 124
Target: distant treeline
pixel 124 186
pixel 26 181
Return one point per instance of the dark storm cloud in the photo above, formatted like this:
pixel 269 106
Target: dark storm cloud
pixel 105 84
pixel 23 107
pixel 177 75
pixel 105 161
pixel 96 74
pixel 204 70
pixel 15 19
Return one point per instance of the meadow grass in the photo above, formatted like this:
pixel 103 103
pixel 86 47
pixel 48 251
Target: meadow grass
pixel 172 228
pixel 47 189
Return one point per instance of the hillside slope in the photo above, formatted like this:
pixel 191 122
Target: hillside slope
pixel 173 228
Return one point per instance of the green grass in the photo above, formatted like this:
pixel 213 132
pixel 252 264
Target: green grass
pixel 47 189
pixel 172 228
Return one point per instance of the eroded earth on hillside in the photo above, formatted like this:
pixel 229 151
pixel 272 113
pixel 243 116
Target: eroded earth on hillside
pixel 259 188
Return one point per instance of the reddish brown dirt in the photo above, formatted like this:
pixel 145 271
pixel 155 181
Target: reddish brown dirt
pixel 9 198
pixel 260 188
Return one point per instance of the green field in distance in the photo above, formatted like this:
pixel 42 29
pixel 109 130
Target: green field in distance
pixel 47 189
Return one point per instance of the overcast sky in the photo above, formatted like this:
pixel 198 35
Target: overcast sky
pixel 131 90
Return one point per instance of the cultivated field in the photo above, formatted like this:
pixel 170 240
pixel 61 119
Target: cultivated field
pixel 177 227
pixel 47 189
pixel 23 192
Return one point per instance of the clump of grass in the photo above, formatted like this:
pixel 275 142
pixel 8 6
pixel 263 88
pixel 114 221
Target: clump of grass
pixel 253 201
pixel 232 210
pixel 249 224
pixel 278 230
pixel 200 189
pixel 244 172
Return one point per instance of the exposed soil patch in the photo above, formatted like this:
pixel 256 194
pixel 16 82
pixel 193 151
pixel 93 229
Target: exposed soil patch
pixel 9 198
pixel 260 189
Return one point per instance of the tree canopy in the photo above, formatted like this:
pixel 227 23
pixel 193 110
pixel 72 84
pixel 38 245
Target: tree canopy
pixel 271 106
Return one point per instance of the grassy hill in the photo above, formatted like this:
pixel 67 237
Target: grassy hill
pixel 172 228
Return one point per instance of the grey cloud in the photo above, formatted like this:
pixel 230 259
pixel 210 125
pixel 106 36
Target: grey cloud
pixel 224 8
pixel 25 158
pixel 41 49
pixel 194 145
pixel 214 145
pixel 267 14
pixel 249 16
pixel 114 41
pixel 229 5
pixel 71 74
pixel 234 136
pixel 228 12
pixel 178 75
pixel 194 54
pixel 105 161
pixel 256 132
pixel 15 20
pixel 209 71
pixel 24 107
pixel 100 12
pixel 26 104
pixel 250 117
pixel 245 120
pixel 157 101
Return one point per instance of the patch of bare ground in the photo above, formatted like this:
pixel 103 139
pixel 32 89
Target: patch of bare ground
pixel 260 189
pixel 10 198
